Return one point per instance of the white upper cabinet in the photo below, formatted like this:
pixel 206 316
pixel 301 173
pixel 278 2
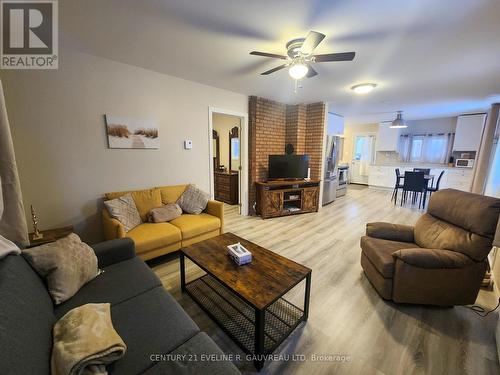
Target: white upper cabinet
pixel 335 124
pixel 387 138
pixel 469 131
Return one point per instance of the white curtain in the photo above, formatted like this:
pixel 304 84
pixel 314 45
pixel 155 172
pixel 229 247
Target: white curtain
pixel 435 148
pixel 12 217
pixel 425 148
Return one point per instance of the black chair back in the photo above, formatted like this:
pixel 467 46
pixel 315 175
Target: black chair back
pixel 425 170
pixel 439 180
pixel 414 181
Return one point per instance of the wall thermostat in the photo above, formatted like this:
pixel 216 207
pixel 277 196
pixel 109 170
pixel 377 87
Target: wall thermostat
pixel 188 144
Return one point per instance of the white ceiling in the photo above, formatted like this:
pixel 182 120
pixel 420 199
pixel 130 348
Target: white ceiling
pixel 430 58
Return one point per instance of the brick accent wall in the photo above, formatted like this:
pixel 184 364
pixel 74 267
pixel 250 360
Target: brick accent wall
pixel 266 133
pixel 271 125
pixel 296 116
pixel 315 126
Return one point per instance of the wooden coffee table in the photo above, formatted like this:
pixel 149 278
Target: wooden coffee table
pixel 247 301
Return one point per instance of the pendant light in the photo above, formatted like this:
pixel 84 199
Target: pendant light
pixel 398 122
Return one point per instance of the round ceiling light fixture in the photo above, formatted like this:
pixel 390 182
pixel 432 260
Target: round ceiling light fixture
pixel 363 88
pixel 298 70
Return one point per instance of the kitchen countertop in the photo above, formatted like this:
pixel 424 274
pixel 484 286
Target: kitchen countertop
pixel 415 165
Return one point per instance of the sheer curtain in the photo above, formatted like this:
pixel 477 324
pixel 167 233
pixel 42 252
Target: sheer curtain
pixel 425 148
pixel 12 217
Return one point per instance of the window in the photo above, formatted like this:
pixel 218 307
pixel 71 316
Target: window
pixel 417 148
pixel 358 148
pixel 425 148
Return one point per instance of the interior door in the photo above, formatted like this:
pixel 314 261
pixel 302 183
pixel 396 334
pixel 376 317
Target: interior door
pixel 363 156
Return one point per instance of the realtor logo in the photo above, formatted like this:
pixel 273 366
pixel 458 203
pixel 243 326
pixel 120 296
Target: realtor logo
pixel 29 35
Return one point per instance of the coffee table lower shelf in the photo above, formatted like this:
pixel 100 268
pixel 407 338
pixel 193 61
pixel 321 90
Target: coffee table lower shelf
pixel 237 318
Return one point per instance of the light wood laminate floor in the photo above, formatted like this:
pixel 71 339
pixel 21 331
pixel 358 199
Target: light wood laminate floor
pixel 347 317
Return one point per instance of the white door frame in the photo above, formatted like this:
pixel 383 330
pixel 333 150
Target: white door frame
pixel 243 183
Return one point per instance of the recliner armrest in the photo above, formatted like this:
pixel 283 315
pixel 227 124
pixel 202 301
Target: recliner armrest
pixel 114 251
pixel 388 231
pixel 432 258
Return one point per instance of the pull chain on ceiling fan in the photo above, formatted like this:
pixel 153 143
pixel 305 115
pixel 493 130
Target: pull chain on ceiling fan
pixel 300 56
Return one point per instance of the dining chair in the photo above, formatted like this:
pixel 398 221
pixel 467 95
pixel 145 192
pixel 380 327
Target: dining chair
pixel 433 189
pixel 425 170
pixel 398 185
pixel 413 187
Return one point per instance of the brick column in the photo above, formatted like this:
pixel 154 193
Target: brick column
pixel 266 131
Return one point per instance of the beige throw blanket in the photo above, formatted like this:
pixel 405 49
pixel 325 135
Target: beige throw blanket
pixel 85 341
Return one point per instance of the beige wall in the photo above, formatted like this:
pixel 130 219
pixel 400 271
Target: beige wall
pixel 223 125
pixel 349 131
pixel 57 120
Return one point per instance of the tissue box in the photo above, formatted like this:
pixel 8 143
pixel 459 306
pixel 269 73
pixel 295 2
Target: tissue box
pixel 239 254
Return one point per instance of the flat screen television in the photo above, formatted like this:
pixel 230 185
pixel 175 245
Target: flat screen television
pixel 288 166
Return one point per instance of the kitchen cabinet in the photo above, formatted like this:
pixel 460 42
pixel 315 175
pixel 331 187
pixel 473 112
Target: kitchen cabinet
pixel 383 176
pixel 468 132
pixel 387 138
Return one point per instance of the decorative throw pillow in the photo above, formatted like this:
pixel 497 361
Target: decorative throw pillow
pixel 193 200
pixel 66 265
pixel 165 213
pixel 124 210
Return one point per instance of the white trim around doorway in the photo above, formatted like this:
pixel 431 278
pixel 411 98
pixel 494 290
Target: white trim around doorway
pixel 243 188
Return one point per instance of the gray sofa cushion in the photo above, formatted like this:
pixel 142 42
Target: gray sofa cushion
pixel 152 322
pixel 197 345
pixel 26 319
pixel 119 282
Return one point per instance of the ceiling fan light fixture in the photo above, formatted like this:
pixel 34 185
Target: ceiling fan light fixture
pixel 398 122
pixel 363 88
pixel 298 70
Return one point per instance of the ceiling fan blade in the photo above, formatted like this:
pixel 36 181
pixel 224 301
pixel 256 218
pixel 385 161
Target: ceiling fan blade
pixel 344 56
pixel 265 54
pixel 273 70
pixel 311 72
pixel 313 39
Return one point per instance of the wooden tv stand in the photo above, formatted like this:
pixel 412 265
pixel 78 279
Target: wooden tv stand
pixel 286 197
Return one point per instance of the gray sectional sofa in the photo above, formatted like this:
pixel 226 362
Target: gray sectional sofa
pixel 144 314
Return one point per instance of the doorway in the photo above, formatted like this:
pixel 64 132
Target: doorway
pixel 228 155
pixel 363 155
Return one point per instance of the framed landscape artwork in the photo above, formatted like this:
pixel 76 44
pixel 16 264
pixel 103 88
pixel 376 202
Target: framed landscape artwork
pixel 131 133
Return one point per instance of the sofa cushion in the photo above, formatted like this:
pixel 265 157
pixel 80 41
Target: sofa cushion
pixel 149 236
pixel 379 252
pixel 124 210
pixel 66 265
pixel 145 200
pixel 170 194
pixel 193 200
pixel 197 346
pixel 119 282
pixel 194 225
pixel 26 319
pixel 472 212
pixel 434 233
pixel 150 323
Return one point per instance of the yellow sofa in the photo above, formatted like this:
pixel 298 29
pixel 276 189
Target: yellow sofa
pixel 155 239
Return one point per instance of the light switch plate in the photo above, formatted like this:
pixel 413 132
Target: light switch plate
pixel 188 144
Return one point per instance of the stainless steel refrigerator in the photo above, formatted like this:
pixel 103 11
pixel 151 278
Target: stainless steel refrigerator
pixel 330 178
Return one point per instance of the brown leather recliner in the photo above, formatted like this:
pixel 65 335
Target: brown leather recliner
pixel 439 261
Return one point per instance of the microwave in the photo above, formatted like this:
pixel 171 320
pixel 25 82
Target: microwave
pixel 464 163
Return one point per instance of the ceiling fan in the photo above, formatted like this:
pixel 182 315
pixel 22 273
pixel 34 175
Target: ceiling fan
pixel 300 56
